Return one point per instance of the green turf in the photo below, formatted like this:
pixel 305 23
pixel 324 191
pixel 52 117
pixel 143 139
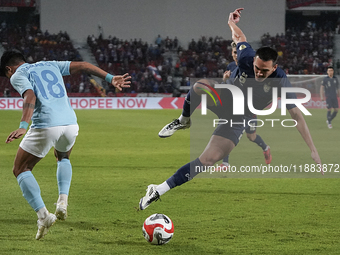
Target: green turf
pixel 118 153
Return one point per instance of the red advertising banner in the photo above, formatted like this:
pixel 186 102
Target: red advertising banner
pixel 11 103
pixel 107 103
pixel 291 4
pixel 17 3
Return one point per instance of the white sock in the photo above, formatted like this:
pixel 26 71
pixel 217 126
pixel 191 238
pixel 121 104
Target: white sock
pixel 63 198
pixel 183 119
pixel 42 213
pixel 162 188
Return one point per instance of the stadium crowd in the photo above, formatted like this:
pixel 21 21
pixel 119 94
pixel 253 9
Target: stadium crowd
pixel 303 51
pixel 37 45
pixel 165 65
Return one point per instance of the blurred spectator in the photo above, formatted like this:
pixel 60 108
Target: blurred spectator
pixel 36 46
pixel 306 50
pixel 159 41
pixel 338 66
pixel 7 92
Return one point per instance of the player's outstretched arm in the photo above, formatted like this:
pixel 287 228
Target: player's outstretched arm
pixel 236 33
pixel 304 131
pixel 27 112
pixel 118 81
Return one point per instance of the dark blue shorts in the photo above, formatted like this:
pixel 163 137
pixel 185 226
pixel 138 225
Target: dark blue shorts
pixel 235 132
pixel 332 102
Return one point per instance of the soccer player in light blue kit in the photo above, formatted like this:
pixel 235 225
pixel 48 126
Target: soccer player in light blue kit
pixel 54 124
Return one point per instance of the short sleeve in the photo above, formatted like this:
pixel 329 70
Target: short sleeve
pixel 20 82
pixel 64 67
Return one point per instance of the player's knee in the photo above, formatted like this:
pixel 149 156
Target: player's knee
pixel 251 137
pixel 205 86
pixel 17 171
pixel 206 162
pixel 201 85
pixel 62 155
pixel 211 160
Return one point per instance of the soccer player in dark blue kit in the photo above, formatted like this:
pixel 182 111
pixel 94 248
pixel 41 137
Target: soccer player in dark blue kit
pixel 251 130
pixel 330 87
pixel 253 70
pixel 184 122
pixel 232 65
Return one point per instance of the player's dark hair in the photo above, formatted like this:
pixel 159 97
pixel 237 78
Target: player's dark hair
pixel 267 54
pixel 10 58
pixel 330 67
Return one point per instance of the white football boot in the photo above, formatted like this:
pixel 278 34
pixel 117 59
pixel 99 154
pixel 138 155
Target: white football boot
pixel 44 225
pixel 61 210
pixel 169 129
pixel 150 196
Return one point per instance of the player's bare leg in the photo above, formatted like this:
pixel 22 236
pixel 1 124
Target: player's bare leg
pixel 23 166
pixel 216 149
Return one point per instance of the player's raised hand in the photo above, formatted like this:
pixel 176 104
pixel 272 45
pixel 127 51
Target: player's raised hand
pixel 121 81
pixel 226 75
pixel 16 135
pixel 236 15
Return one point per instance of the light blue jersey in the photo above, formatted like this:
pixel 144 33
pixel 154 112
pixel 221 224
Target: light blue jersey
pixel 52 106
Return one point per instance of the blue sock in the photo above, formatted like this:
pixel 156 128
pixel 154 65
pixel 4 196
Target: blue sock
pixel 333 115
pixel 184 174
pixel 64 176
pixel 186 106
pixel 191 102
pixel 30 190
pixel 329 116
pixel 259 141
pixel 226 159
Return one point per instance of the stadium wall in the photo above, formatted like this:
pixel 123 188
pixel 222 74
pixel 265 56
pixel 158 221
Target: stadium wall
pixel 186 19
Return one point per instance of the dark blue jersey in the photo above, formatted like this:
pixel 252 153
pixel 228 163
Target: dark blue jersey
pixel 244 77
pixel 231 66
pixel 331 85
pixel 233 75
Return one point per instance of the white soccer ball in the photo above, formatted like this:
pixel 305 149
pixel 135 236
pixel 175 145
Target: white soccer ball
pixel 158 229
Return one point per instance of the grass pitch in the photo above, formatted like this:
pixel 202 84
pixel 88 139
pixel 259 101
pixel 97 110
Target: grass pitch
pixel 118 153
